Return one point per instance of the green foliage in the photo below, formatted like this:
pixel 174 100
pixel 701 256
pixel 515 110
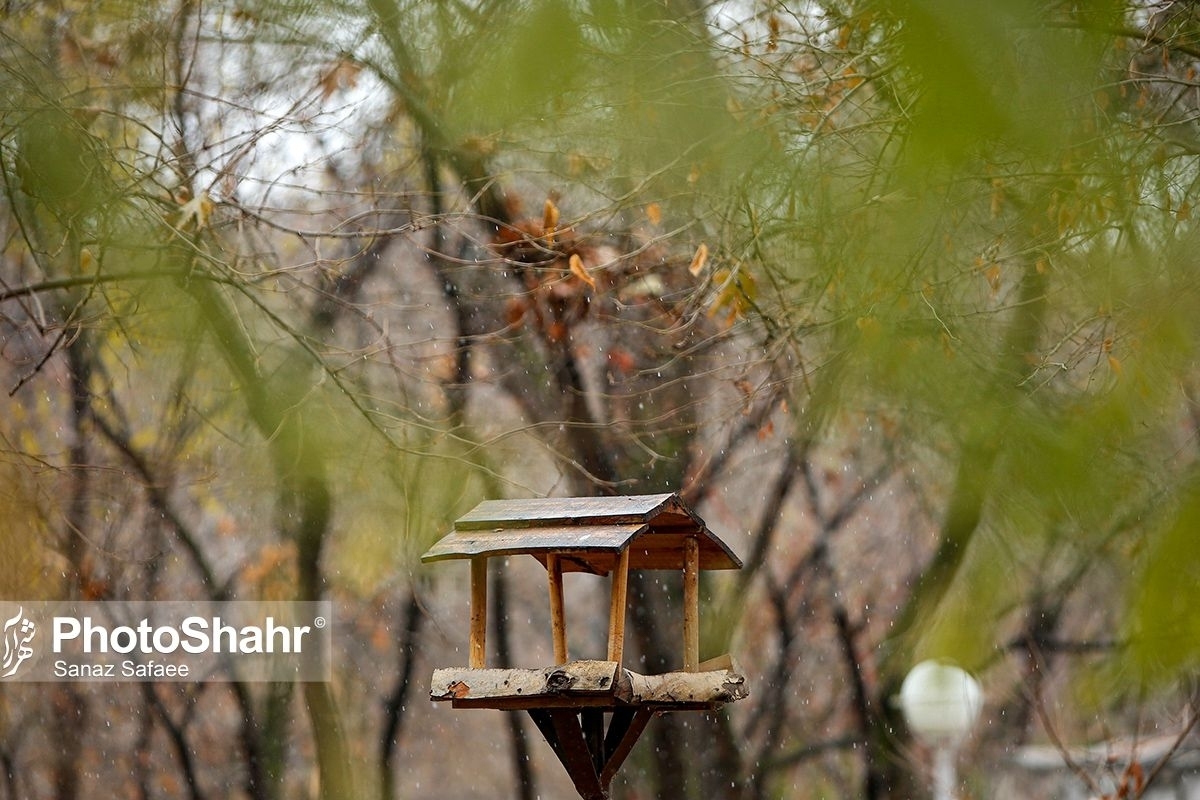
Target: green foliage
pixel 997 254
pixel 533 60
pixel 970 220
pixel 1163 627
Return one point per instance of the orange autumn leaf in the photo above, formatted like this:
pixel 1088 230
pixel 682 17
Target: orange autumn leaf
pixel 699 259
pixel 575 263
pixel 549 219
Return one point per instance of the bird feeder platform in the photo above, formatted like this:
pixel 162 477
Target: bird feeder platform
pixel 590 712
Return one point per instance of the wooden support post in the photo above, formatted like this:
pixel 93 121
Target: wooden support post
pixel 616 611
pixel 558 617
pixel 591 720
pixel 571 747
pixel 590 755
pixel 623 732
pixel 478 648
pixel 691 604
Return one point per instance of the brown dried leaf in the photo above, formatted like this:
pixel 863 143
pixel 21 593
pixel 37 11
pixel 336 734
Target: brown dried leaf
pixel 342 75
pixel 549 220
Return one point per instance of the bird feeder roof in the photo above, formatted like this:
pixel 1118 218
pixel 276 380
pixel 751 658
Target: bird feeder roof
pixel 587 533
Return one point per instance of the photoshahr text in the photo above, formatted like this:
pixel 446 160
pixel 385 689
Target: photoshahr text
pixel 192 635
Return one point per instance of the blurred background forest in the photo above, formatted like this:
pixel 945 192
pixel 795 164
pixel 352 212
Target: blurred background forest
pixel 901 296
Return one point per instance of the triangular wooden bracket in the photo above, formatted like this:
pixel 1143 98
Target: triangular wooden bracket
pixel 590 754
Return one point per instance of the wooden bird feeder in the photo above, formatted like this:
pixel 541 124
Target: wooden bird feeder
pixel 572 701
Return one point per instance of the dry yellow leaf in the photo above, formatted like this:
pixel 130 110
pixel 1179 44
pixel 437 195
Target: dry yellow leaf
pixel 575 263
pixel 549 219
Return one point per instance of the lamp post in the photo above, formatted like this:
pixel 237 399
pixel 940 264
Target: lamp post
pixel 941 703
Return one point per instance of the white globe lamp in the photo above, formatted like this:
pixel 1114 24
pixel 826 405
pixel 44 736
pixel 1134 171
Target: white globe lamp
pixel 941 704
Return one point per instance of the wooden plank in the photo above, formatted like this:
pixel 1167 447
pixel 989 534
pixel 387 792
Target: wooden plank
pixel 661 548
pixel 534 512
pixel 558 617
pixel 572 701
pixel 609 539
pixel 588 549
pixel 691 604
pixel 478 640
pixel 616 609
pixel 591 562
pixel 575 678
pixel 717 663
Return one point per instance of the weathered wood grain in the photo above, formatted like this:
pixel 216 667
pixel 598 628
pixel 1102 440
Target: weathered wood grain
pixel 533 512
pixel 587 532
pixel 572 678
pixel 586 684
